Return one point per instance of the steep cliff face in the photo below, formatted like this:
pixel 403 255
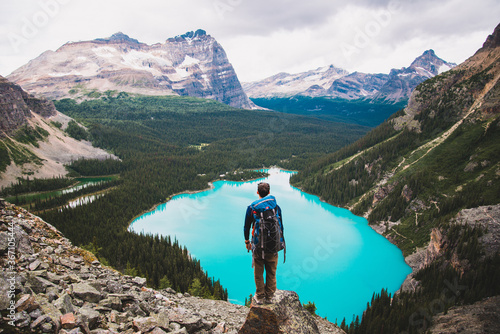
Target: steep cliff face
pixel 16 106
pixel 30 143
pixel 193 64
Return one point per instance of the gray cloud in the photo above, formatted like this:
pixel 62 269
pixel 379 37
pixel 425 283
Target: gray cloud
pixel 261 37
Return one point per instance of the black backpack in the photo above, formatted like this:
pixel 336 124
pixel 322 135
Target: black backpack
pixel 267 233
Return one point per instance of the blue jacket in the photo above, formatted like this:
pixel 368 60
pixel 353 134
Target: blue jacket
pixel 262 204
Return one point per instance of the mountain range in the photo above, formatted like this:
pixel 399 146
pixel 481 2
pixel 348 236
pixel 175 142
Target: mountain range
pixel 338 83
pixel 193 64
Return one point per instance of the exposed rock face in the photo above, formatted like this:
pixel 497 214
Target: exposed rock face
pixel 480 317
pixel 486 217
pixel 16 106
pixel 54 287
pixel 493 40
pixel 193 64
pixel 310 83
pixel 357 85
pixel 46 157
pixel 338 83
pixel 284 315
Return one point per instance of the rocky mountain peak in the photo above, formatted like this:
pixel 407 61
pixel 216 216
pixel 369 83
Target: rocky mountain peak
pixel 118 37
pixel 330 81
pixel 16 107
pixel 430 62
pixel 493 40
pixel 311 83
pixel 189 36
pixel 192 64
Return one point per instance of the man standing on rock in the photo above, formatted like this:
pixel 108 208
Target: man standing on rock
pixel 265 216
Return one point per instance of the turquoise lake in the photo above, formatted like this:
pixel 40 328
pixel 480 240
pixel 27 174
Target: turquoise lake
pixel 333 257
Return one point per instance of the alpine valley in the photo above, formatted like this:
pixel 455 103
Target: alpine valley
pixel 173 117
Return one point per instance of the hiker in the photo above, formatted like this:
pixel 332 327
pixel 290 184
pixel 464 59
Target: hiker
pixel 265 216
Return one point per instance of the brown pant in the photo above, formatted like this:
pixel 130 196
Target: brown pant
pixel 269 263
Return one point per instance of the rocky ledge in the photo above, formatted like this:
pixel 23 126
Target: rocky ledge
pixel 486 217
pixel 285 315
pixel 47 285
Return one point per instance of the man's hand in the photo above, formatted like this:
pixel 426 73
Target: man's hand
pixel 248 245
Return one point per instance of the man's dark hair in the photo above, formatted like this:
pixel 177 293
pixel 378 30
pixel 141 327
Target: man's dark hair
pixel 263 189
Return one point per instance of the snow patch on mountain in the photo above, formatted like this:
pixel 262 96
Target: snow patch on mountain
pixel 193 64
pixel 333 82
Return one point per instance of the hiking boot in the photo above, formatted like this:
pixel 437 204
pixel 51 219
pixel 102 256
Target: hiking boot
pixel 257 300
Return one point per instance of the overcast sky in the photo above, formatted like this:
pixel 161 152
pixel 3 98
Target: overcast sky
pixel 261 38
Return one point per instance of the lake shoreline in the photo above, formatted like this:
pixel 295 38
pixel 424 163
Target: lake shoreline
pixel 189 192
pixel 195 230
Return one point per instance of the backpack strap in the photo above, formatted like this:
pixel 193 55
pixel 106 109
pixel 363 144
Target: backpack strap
pixel 261 241
pixel 284 250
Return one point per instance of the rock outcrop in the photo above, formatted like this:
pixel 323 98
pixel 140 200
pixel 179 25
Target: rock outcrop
pixel 284 315
pixel 193 64
pixel 16 106
pixel 31 144
pixel 480 317
pixel 486 217
pixel 48 285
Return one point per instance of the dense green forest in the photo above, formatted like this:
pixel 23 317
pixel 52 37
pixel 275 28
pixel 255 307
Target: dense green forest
pixel 361 111
pixel 167 145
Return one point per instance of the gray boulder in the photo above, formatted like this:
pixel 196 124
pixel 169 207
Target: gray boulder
pixel 86 292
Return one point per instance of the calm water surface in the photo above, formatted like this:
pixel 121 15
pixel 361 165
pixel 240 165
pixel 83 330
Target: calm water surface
pixel 333 257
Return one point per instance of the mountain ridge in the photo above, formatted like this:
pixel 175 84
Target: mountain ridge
pixel 338 83
pixel 30 143
pixel 192 64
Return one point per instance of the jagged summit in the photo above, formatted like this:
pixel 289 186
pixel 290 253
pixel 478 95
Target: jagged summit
pixel 330 81
pixel 191 34
pixel 16 107
pixel 430 62
pixel 119 37
pixel 192 64
pixel 493 40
